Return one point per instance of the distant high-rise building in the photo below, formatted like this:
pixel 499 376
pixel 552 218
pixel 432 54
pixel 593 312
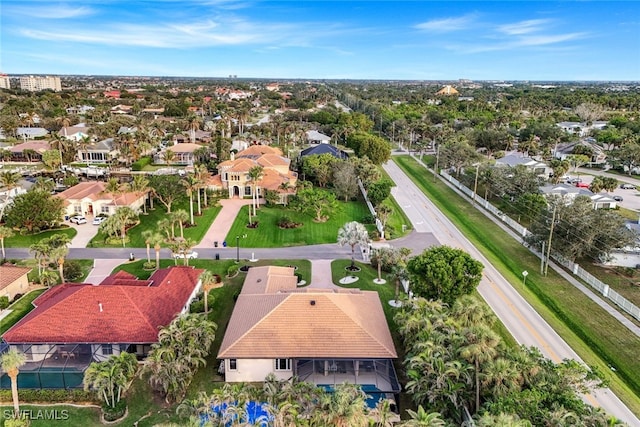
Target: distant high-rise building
pixel 37 83
pixel 4 81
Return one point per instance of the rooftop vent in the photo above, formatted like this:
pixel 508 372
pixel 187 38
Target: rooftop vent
pixel 312 302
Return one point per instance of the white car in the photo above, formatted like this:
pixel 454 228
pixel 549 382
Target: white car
pixel 189 255
pixel 99 220
pixel 628 187
pixel 78 219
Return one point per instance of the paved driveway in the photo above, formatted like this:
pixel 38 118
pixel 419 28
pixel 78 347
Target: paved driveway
pixel 86 232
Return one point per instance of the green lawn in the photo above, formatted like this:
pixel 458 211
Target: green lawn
pixel 269 235
pixel 625 281
pixel 597 337
pixel 150 222
pixel 24 241
pixel 19 309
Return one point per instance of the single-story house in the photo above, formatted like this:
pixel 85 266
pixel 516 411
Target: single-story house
pixel 581 128
pixel 513 160
pixel 31 133
pixel 75 324
pixel 74 133
pixel 627 256
pixel 233 174
pixel 184 154
pixel 89 198
pixel 192 136
pixel 29 151
pixel 13 280
pixel 315 137
pixel 570 192
pixel 322 336
pixel 98 152
pixel 324 148
pixel 599 157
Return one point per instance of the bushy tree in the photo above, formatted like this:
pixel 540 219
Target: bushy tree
pixel 167 189
pixel 444 273
pixel 320 204
pixel 345 181
pixel 34 210
pixel 377 149
pixel 379 191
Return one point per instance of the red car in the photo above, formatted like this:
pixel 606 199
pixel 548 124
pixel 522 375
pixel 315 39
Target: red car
pixel 582 185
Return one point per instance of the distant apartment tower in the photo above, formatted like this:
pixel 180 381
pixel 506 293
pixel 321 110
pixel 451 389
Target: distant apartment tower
pixel 37 83
pixel 4 81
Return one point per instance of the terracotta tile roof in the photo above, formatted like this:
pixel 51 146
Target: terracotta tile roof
pixel 186 147
pixel 119 310
pixel 273 160
pixel 242 165
pixel 272 320
pixel 214 181
pixel 11 273
pixel 259 150
pixel 94 190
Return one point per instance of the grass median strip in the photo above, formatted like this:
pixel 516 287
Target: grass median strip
pixel 596 336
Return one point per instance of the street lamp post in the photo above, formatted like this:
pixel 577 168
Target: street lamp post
pixel 524 277
pixel 475 184
pixel 237 249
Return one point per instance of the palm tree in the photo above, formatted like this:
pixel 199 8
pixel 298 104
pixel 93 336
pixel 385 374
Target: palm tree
pixel 480 348
pixel 202 174
pixel 180 216
pixel 59 253
pixel 345 407
pixel 147 235
pixel 208 280
pixel 422 418
pixel 48 278
pixel 41 252
pixel 109 379
pixel 83 146
pixel 140 185
pixel 157 241
pixel 169 157
pixel 121 219
pixel 352 234
pixel 383 212
pixel 190 183
pixel 5 232
pixel 398 275
pixel 115 188
pixel 255 174
pixel 11 362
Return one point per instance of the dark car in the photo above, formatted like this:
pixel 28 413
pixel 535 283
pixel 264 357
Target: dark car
pixel 617 198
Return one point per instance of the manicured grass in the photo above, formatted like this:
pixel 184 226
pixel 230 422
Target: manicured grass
pixel 597 337
pixel 625 281
pixel 396 220
pixel 24 241
pixel 19 309
pixel 269 235
pixel 150 222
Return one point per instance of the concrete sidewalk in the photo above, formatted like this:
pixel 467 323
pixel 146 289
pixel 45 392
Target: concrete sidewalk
pixel 222 224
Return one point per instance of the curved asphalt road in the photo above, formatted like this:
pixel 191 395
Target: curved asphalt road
pixel 431 228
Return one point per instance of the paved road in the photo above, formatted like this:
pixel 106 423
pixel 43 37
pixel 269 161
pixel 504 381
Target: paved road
pixel 524 323
pixel 431 227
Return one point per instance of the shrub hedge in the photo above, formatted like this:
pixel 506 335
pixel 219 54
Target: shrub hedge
pixel 61 395
pixel 139 164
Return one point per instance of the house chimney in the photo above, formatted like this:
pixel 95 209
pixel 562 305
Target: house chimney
pixel 100 306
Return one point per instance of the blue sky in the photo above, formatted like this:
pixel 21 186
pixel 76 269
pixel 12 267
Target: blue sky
pixel 508 40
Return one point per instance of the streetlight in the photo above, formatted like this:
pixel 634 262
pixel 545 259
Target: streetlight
pixel 524 277
pixel 237 249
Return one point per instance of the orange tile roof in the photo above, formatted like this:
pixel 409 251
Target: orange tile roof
pixel 11 273
pixel 186 147
pixel 94 190
pixel 267 160
pixel 119 310
pixel 272 319
pixel 257 150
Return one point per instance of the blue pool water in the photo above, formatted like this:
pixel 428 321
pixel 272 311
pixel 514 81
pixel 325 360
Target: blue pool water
pixel 374 394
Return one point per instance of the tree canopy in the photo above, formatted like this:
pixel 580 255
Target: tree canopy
pixel 443 273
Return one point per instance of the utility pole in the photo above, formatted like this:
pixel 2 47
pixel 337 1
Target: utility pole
pixel 435 174
pixel 553 222
pixel 475 185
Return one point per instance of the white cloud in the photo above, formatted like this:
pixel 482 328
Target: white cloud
pixel 38 10
pixel 447 24
pixel 523 27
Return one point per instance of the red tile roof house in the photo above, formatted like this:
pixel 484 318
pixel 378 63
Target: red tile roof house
pixel 75 324
pixel 322 336
pixel 90 198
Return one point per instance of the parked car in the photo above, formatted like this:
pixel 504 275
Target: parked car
pixel 78 219
pixel 99 220
pixel 574 180
pixel 582 184
pixel 628 187
pixel 189 255
pixel 617 198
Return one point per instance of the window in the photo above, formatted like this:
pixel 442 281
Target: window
pixel 104 209
pixel 107 349
pixel 233 364
pixel 77 209
pixel 247 191
pixel 283 364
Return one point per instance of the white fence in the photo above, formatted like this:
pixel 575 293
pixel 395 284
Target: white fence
pixel 595 283
pixel 372 210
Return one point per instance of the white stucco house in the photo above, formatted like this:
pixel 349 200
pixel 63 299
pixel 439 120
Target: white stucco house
pixel 89 199
pixel 570 192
